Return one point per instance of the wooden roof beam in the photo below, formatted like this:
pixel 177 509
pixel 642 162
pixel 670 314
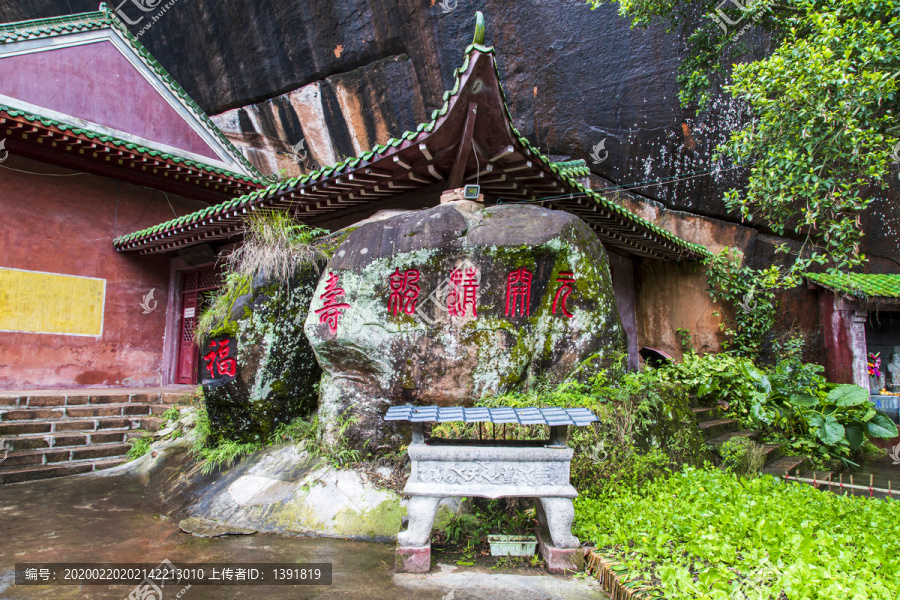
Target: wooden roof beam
pixel 465 145
pixel 485 171
pixel 504 152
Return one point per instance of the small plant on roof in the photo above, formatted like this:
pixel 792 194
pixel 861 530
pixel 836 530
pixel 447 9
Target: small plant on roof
pixel 275 245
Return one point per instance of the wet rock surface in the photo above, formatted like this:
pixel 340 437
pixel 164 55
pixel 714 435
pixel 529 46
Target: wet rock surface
pixel 115 519
pixel 454 303
pixel 207 528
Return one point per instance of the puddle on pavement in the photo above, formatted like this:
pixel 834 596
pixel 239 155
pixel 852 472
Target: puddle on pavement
pixel 95 519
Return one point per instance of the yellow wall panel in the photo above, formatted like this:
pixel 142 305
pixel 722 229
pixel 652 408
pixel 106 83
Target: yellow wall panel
pixel 35 302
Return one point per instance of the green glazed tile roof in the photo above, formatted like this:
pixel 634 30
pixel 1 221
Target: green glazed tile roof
pixel 106 19
pixel 861 285
pixel 561 170
pixel 131 146
pixel 573 168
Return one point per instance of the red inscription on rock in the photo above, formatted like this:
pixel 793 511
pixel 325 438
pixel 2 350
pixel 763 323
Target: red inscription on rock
pixel 463 292
pixel 404 291
pixel 331 308
pixel 218 359
pixel 566 279
pixel 518 292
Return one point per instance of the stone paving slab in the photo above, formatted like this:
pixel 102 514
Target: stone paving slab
pixel 475 584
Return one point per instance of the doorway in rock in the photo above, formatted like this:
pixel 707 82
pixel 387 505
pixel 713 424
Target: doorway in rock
pixel 196 289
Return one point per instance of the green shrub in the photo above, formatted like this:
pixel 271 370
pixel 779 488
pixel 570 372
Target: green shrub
pixel 711 535
pixel 172 414
pixel 742 456
pixel 202 430
pixel 645 427
pixel 275 246
pixel 480 517
pixel 225 453
pixel 751 296
pixel 791 403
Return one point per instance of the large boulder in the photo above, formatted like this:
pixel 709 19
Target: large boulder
pixel 454 303
pixel 257 369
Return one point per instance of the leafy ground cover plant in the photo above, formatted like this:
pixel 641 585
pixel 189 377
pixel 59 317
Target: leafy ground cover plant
pixel 304 432
pixel 139 447
pixel 705 534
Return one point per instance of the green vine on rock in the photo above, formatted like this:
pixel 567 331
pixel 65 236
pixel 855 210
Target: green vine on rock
pixel 750 293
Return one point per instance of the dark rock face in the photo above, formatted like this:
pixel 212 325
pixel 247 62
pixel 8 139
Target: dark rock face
pixel 574 78
pixel 275 376
pixel 454 303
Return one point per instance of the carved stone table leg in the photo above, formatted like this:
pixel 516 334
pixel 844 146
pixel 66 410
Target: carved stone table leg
pixel 559 514
pixel 421 511
pixel 413 553
pixel 558 547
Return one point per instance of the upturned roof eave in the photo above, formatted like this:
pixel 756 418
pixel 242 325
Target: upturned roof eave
pixel 334 186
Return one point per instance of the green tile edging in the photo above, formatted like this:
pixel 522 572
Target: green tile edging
pixel 860 285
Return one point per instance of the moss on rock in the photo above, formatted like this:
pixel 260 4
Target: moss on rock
pixel 278 376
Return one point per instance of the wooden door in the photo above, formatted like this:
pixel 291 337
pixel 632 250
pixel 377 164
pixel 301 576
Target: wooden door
pixel 195 285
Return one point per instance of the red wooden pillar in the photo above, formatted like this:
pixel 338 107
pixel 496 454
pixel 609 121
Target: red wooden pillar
pixel 843 325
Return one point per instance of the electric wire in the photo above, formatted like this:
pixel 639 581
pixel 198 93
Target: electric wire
pixel 627 187
pixel 43 174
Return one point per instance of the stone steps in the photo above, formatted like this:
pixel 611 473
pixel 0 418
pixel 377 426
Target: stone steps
pixel 74 413
pixel 718 430
pixel 47 456
pixel 706 413
pixel 22 474
pixel 716 427
pixel 787 465
pixel 59 433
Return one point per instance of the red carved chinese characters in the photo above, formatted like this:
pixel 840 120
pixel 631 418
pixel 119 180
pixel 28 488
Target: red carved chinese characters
pixel 404 291
pixel 217 357
pixel 518 292
pixel 566 278
pixel 331 308
pixel 463 291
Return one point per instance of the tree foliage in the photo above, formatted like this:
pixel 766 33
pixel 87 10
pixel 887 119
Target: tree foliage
pixel 823 105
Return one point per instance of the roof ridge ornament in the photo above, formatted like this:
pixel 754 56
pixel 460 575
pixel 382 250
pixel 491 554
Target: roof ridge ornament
pixel 479 29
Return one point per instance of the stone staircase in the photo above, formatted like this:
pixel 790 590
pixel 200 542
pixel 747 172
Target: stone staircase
pixel 54 433
pixel 717 430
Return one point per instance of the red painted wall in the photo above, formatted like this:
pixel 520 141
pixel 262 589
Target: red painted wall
pixel 66 225
pixel 96 82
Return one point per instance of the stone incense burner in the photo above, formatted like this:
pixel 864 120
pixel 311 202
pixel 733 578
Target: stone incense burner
pixel 493 468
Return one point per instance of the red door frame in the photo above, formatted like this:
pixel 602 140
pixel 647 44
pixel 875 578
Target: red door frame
pixel 193 285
